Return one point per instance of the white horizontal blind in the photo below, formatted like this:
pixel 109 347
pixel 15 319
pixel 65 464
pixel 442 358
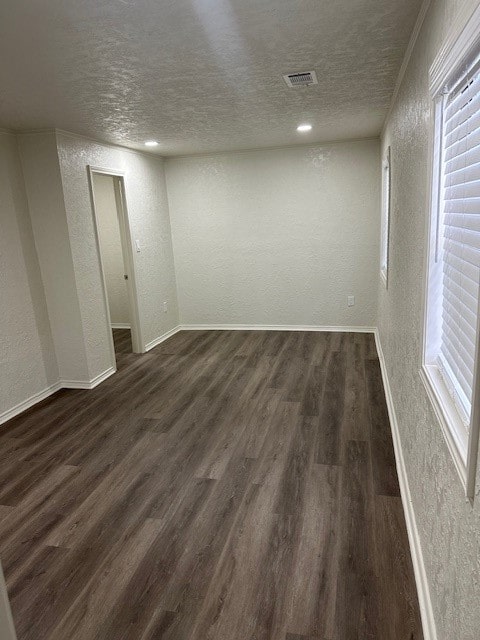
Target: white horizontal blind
pixel 461 239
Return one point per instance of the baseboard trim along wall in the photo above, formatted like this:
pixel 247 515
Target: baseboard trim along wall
pixel 87 384
pixel 162 338
pixel 273 327
pixel 426 611
pixel 61 384
pixel 29 402
pixel 120 325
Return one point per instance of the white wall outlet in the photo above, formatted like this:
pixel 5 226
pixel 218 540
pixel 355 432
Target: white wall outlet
pixel 165 307
pixel 350 301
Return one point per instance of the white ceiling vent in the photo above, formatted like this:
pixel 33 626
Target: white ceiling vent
pixel 302 79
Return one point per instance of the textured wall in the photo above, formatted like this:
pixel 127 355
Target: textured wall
pixel 27 360
pixel 47 212
pixel 111 248
pixel 150 225
pixel 449 526
pixel 277 237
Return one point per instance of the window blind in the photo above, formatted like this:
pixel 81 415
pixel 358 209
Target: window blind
pixel 460 249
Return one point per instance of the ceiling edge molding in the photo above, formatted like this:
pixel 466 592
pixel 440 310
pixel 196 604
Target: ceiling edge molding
pixel 207 154
pixel 406 59
pixel 78 136
pixel 309 145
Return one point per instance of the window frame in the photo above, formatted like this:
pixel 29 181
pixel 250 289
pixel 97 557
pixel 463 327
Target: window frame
pixel 385 221
pixel 462 42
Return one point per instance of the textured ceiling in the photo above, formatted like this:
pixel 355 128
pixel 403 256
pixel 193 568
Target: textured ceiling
pixel 201 75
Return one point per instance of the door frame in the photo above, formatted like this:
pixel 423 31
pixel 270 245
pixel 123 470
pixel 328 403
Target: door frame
pixel 127 253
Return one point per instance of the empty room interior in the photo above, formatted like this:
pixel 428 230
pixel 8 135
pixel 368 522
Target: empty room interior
pixel 240 320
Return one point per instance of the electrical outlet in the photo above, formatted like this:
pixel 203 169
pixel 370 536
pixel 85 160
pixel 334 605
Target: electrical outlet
pixel 350 301
pixel 165 307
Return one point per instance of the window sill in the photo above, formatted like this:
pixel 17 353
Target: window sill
pixel 450 421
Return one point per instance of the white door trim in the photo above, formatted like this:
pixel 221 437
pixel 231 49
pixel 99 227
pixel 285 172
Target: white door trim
pixel 124 226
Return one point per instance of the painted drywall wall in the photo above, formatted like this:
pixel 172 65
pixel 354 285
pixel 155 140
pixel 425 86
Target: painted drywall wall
pixel 47 213
pixel 27 359
pixel 111 248
pixel 449 526
pixel 146 202
pixel 277 237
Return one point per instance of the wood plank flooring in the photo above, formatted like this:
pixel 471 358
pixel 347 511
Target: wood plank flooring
pixel 227 485
pixel 122 339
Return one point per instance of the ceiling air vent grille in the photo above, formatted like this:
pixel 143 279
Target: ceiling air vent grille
pixel 302 79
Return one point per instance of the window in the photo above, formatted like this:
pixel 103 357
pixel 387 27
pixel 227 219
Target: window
pixel 452 316
pixel 385 216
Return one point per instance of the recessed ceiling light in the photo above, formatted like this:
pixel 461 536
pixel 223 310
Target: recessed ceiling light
pixel 151 143
pixel 303 128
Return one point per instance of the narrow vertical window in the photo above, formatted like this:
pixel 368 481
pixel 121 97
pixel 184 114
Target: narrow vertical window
pixel 385 217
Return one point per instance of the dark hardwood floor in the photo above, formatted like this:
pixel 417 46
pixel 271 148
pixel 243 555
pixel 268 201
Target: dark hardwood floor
pixel 122 339
pixel 225 486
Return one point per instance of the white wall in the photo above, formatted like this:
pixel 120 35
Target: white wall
pixel 277 237
pixel 111 248
pixel 56 177
pixel 27 359
pixel 147 205
pixel 47 212
pixel 449 527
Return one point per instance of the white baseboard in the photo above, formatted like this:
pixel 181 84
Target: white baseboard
pixel 87 384
pixel 120 325
pixel 29 402
pixel 163 337
pixel 426 611
pixel 61 384
pixel 273 327
pixel 253 327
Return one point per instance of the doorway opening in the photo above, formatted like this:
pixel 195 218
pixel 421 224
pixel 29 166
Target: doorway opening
pixel 116 263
